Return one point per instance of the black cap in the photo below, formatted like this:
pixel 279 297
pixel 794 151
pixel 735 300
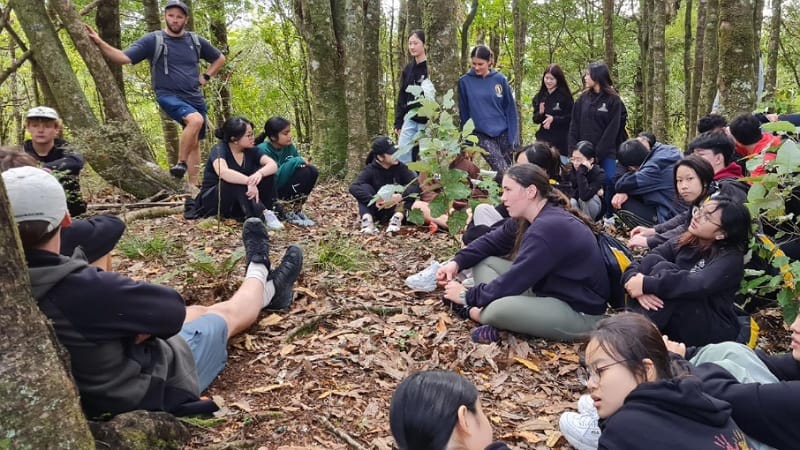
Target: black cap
pixel 177 4
pixel 382 145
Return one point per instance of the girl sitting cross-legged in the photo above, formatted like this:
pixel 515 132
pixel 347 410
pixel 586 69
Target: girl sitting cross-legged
pixel 552 286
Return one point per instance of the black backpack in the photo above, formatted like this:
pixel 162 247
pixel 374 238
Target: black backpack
pixel 616 258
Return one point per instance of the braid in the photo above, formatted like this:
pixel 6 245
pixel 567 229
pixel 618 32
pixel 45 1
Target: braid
pixel 558 198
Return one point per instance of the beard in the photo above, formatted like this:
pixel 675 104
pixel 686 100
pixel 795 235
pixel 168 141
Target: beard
pixel 175 29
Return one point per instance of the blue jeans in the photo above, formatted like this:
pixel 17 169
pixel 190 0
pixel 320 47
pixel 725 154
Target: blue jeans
pixel 406 137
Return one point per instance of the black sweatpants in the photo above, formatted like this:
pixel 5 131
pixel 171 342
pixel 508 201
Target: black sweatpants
pixel 231 201
pixel 300 186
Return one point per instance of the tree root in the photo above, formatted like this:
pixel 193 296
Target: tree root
pixel 310 324
pixel 150 213
pixel 340 433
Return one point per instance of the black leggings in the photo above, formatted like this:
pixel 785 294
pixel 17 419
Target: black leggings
pixel 300 185
pixel 231 201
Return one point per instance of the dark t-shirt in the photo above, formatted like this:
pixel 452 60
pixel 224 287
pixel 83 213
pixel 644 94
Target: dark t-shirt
pixel 183 79
pixel 250 163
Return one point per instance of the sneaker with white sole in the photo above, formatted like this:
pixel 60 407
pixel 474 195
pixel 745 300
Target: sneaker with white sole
pixel 272 220
pixel 303 216
pixel 295 219
pixel 586 406
pixel 367 224
pixel 394 223
pixel 424 280
pixel 580 430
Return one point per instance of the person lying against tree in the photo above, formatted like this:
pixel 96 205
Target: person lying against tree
pixel 551 286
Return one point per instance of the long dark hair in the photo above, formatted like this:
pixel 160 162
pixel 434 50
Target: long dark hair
pixel 543 155
pixel 381 145
pixel 530 174
pixel 232 129
pixel 272 127
pixel 561 81
pixel 734 222
pixel 424 408
pixel 598 72
pixel 586 149
pixel 483 52
pixel 704 171
pixel 631 337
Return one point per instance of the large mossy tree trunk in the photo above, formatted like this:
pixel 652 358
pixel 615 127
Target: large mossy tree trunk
pixel 465 44
pixel 708 88
pixel 519 11
pixel 646 62
pixel 771 73
pixel 687 64
pixel 351 33
pixel 220 98
pixel 737 59
pixel 440 22
pixel 116 150
pixel 658 124
pixel 375 89
pixel 108 27
pixel 315 19
pixel 40 407
pixel 608 37
pixel 698 69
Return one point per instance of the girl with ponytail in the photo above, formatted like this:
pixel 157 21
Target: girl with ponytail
pixel 550 286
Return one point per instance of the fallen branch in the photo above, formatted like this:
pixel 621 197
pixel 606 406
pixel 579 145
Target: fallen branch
pixel 150 213
pixel 243 444
pixel 311 323
pixel 138 205
pixel 340 433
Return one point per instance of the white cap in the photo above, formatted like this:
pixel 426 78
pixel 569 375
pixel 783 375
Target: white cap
pixel 44 112
pixel 35 194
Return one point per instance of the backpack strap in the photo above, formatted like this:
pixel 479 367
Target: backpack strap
pixel 160 49
pixel 196 43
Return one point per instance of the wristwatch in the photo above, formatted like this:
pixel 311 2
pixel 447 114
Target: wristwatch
pixel 206 76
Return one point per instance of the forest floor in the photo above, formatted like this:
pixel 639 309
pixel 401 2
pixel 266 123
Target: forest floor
pixel 321 375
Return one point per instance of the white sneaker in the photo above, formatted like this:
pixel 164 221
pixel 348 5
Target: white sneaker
pixel 367 225
pixel 272 220
pixel 295 219
pixel 425 280
pixel 304 217
pixel 586 406
pixel 580 430
pixel 394 223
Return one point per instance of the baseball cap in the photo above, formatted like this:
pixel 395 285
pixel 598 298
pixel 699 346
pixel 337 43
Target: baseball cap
pixel 382 145
pixel 35 194
pixel 177 4
pixel 44 112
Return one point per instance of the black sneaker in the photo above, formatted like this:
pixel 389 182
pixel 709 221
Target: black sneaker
pixel 178 170
pixel 256 242
pixel 284 277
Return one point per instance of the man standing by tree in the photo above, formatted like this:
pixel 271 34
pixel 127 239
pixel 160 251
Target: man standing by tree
pixel 174 56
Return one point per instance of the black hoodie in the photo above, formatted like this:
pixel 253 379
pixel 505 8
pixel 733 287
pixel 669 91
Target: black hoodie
pixel 671 414
pixel 66 164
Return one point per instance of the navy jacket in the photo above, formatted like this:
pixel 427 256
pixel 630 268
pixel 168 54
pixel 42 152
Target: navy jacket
pixel 597 118
pixel 654 183
pixel 488 101
pixel 558 257
pixel 668 415
pixel 559 105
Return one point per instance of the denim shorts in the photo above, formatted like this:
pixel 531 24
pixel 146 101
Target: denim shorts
pixel 177 109
pixel 207 337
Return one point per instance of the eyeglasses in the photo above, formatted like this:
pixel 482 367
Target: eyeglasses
pixel 704 216
pixel 586 375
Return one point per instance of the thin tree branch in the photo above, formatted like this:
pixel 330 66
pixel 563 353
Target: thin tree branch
pixel 7 73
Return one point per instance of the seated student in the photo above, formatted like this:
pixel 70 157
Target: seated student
pixel 694 185
pixel 96 236
pixel 439 410
pixel 54 154
pixel 135 345
pixel 238 179
pixel 383 169
pixel 687 285
pixel 711 122
pixel 296 177
pixel 550 287
pixel 642 398
pixel 646 190
pixel 750 140
pixel 586 179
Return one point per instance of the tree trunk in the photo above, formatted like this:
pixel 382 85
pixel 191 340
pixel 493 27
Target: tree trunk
pixel 399 57
pixel 465 45
pixel 220 97
pixel 152 16
pixel 375 89
pixel 519 12
pixel 737 83
pixel 40 407
pixel 708 89
pixel 108 27
pixel 440 19
pixel 315 22
pixel 350 32
pixel 608 37
pixel 687 64
pixel 413 17
pixel 758 21
pixel 117 151
pixel 699 67
pixel 771 76
pixel 659 122
pixel 646 61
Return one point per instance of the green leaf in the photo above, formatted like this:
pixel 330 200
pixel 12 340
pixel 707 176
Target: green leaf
pixel 440 205
pixel 418 166
pixel 780 127
pixel 447 100
pixel 414 90
pixel 415 216
pixel 788 304
pixel 789 156
pixel 467 129
pixel 456 222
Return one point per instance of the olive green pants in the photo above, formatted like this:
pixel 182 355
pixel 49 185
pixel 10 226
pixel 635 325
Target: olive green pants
pixel 544 317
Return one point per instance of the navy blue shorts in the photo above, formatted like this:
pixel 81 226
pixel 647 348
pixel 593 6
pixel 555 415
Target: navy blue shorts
pixel 177 109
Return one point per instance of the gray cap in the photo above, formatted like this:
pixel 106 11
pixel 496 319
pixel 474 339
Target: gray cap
pixel 44 112
pixel 177 4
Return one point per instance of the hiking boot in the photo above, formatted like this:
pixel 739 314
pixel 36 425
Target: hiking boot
pixel 367 225
pixel 272 220
pixel 580 430
pixel 303 216
pixel 295 219
pixel 178 170
pixel 424 280
pixel 394 223
pixel 284 277
pixel 256 242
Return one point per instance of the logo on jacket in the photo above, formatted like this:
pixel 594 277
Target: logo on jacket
pixel 498 90
pixel 603 108
pixel 698 266
pixel 421 79
pixel 557 107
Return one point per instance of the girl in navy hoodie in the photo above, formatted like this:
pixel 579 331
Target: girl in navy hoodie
pixel 642 399
pixel 485 97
